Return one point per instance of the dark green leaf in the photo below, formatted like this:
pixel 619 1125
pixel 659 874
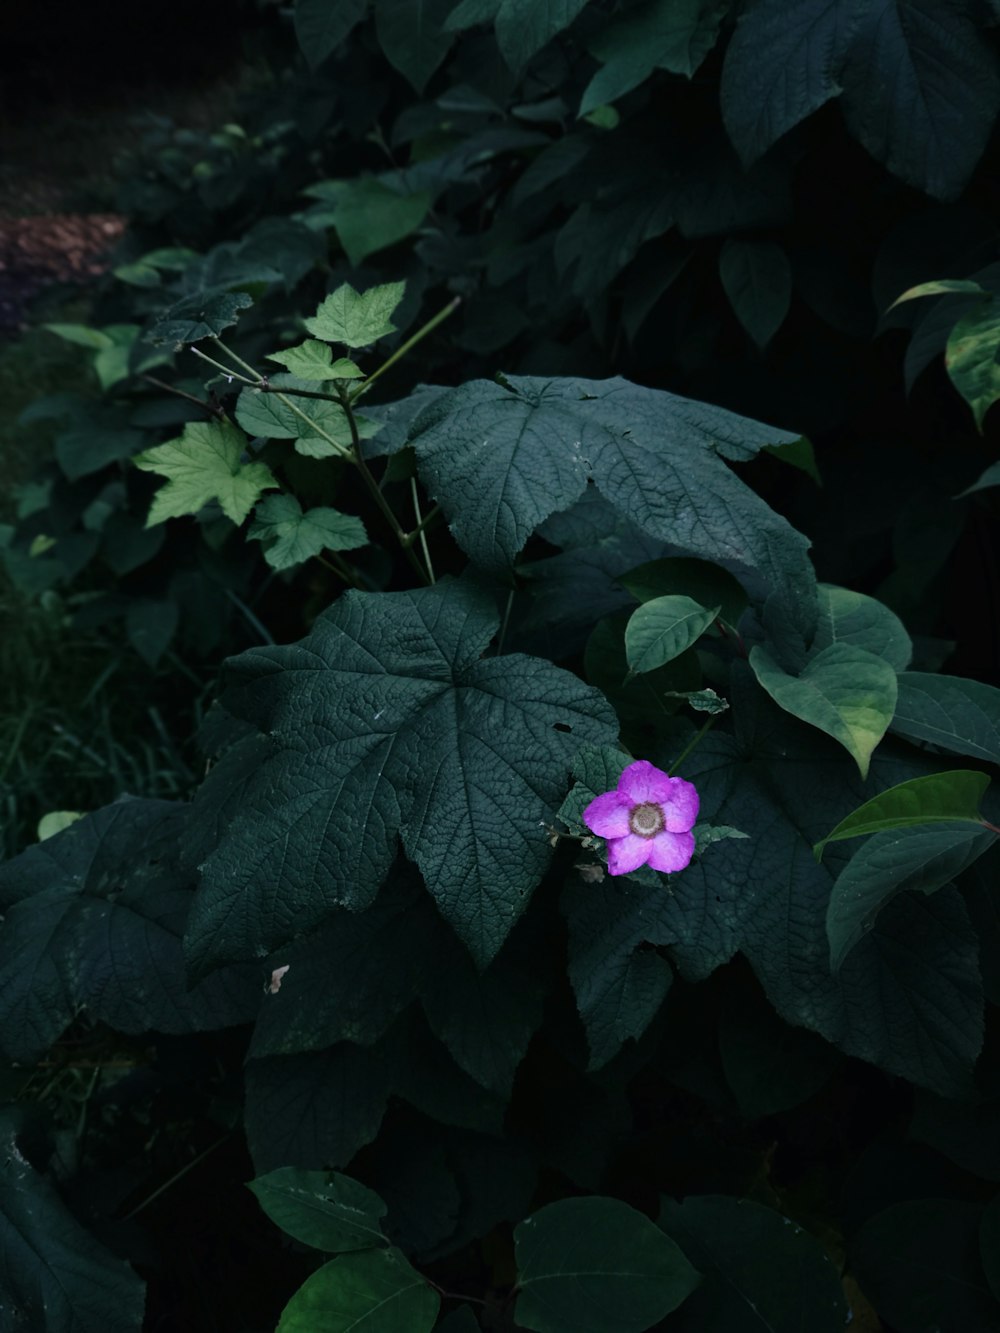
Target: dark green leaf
pixel 369 216
pixel 760 1272
pixel 757 278
pixel 705 583
pixel 770 1066
pixel 596 1266
pixel 150 625
pixel 319 428
pixel 321 26
pixel 371 1291
pixel 81 452
pixel 862 622
pixel 389 722
pixel 663 628
pixel 204 315
pixel 921 859
pixel 54 1276
pixel 328 1211
pixel 921 91
pixel 971 357
pixel 989 1244
pixel 959 715
pixel 413 37
pixel 988 479
pixel 523 27
pixel 939 797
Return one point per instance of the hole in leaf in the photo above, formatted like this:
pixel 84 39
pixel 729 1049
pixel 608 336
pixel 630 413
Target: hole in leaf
pixel 561 726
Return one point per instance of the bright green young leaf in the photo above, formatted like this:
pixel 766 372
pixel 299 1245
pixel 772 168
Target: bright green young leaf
pixel 204 315
pixel 940 288
pixel 845 691
pixel 921 91
pixel 55 821
pixel 500 458
pixel 93 918
pixel 664 628
pixel 293 536
pixel 357 319
pixel 55 1277
pixel 697 579
pixel 596 1265
pixel 413 37
pixel 321 27
pixel 851 618
pixel 956 714
pixel 782 64
pixel 323 1209
pixel 313 361
pixel 920 858
pixel 387 722
pixel 757 279
pixel 370 1291
pixel 971 357
pixel 937 798
pixel 204 464
pixel 760 1272
pixel 675 35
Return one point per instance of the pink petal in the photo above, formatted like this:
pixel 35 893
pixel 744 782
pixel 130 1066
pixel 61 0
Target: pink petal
pixel 680 808
pixel 670 851
pixel 643 781
pixel 627 854
pixel 607 815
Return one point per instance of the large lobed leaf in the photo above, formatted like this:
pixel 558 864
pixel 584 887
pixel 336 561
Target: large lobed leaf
pixel 387 722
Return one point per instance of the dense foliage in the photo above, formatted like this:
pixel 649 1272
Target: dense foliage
pixel 432 396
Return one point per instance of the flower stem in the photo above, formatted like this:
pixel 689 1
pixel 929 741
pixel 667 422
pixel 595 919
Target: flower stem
pixel 695 740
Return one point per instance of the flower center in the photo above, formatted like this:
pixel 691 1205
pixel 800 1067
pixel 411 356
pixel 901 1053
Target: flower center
pixel 646 820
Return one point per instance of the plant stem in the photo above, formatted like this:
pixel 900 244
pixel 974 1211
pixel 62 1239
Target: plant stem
pixel 339 567
pixel 213 409
pixel 422 526
pixel 504 623
pixel 229 374
pixel 175 1177
pixel 695 740
pixel 420 530
pixel 410 343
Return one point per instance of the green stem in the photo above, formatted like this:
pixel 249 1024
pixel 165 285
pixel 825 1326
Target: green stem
pixel 422 526
pixel 420 530
pixel 213 409
pixel 695 740
pixel 333 562
pixel 178 1175
pixel 229 373
pixel 410 343
pixel 244 365
pixel 504 623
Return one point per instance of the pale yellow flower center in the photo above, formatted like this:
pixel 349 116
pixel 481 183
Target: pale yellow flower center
pixel 646 820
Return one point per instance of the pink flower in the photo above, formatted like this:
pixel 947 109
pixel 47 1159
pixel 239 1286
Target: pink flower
pixel 647 820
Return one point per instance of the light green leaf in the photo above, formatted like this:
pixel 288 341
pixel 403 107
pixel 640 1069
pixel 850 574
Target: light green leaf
pixel 388 715
pixel 323 1209
pixel 321 431
pixel 664 628
pixel 939 289
pixel 55 821
pixel 852 618
pixel 321 26
pixel 371 1291
pixel 920 858
pixel 313 361
pixel 595 1265
pixel 971 357
pixel 82 335
pixel 845 691
pixel 675 35
pixel 369 216
pixel 697 579
pixel 357 319
pixel 959 715
pixel 760 1272
pixel 55 1276
pixel 757 279
pixel 937 798
pixel 295 536
pixel 204 464
pixel 204 315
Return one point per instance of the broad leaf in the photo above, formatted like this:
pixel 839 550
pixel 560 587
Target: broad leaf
pixel 150 625
pixel 596 1264
pixel 204 464
pixel 54 1276
pixel 93 919
pixel 663 628
pixel 412 36
pixel 369 216
pixel 321 27
pixel 523 27
pixel 937 798
pixel 921 91
pixel 845 691
pixel 920 858
pixel 318 426
pixel 940 288
pixel 502 458
pixel 293 536
pixel 959 715
pixel 388 722
pixel 357 319
pixel 705 583
pixel 323 1209
pixel 783 62
pixel 82 452
pixel 851 618
pixel 760 1272
pixel 989 477
pixel 371 1291
pixel 971 357
pixel 313 361
pixel 204 315
pixel 757 279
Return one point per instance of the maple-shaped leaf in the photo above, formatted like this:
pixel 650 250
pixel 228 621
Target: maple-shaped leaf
pixel 313 361
pixel 295 536
pixel 204 464
pixel 357 318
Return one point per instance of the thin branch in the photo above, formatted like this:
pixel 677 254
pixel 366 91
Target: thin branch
pixel 419 529
pixel 410 343
pixel 214 409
